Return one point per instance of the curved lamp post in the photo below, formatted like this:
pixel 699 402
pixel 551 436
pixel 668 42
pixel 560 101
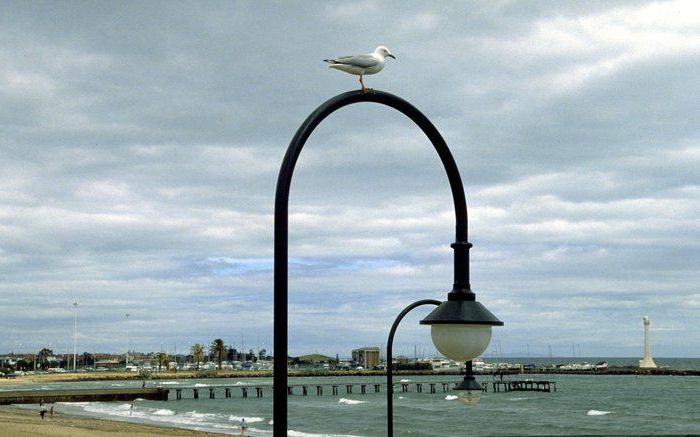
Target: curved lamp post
pixel 460 326
pixel 389 361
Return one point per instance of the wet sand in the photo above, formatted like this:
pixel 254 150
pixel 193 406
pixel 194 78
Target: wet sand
pixel 18 422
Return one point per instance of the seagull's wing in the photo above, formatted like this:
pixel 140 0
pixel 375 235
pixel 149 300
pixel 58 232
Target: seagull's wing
pixel 362 61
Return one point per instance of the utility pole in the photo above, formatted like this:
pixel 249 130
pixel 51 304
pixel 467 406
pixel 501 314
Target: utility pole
pixel 127 340
pixel 75 335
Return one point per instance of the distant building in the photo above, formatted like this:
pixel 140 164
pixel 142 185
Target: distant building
pixel 108 364
pixel 366 356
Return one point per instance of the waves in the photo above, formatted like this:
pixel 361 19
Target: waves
pixel 139 413
pixel 597 413
pixel 201 421
pixel 247 419
pixel 350 401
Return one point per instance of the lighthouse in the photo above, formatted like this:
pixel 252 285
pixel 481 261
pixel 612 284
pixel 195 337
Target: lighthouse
pixel 647 362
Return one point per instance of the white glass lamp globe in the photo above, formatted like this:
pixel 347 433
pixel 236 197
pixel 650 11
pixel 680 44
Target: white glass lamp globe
pixel 460 342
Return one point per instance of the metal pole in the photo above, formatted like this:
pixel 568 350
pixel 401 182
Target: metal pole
pixel 127 341
pixel 389 364
pixel 75 335
pixel 461 289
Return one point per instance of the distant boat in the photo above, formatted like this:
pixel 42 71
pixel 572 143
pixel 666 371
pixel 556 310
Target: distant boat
pixel 480 366
pixel 567 367
pixel 601 366
pixel 445 366
pixel 585 366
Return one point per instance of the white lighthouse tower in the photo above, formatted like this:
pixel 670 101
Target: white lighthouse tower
pixel 647 362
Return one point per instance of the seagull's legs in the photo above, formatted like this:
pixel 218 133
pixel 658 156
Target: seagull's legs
pixel 364 88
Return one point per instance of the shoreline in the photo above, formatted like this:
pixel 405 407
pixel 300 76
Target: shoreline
pixel 19 422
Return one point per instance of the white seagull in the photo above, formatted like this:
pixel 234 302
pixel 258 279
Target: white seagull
pixel 360 65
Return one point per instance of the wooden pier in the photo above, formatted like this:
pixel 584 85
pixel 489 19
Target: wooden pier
pixel 82 395
pixel 525 385
pixel 258 391
pixel 252 390
pixel 338 389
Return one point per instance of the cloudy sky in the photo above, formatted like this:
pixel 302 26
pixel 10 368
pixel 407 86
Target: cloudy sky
pixel 141 143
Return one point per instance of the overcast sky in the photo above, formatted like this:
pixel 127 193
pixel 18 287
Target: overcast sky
pixel 141 143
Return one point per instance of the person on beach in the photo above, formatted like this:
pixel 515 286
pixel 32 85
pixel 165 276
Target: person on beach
pixel 51 411
pixel 131 409
pixel 244 426
pixel 42 410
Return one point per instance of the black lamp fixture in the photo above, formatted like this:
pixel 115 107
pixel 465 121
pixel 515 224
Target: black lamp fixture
pixel 460 326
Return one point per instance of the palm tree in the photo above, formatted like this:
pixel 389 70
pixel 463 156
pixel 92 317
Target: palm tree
pixel 163 359
pixel 218 350
pixel 197 351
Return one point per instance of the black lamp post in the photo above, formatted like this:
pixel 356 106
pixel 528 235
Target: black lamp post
pixel 390 358
pixel 459 326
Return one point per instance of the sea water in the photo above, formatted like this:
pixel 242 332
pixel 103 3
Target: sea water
pixel 582 404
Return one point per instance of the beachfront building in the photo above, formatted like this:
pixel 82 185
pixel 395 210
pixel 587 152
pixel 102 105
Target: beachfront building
pixel 107 363
pixel 366 356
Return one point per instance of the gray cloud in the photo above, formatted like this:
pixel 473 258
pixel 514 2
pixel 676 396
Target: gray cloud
pixel 141 144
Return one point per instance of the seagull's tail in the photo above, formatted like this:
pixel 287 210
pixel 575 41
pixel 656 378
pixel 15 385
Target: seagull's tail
pixel 330 61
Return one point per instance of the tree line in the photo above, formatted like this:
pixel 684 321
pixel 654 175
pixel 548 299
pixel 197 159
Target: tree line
pixel 219 351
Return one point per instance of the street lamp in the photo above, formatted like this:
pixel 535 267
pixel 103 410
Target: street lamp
pixel 460 326
pixel 75 335
pixel 390 359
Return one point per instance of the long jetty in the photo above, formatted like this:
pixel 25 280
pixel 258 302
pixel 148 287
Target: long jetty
pixel 258 391
pixel 524 385
pixel 335 389
pixel 82 395
pixel 253 390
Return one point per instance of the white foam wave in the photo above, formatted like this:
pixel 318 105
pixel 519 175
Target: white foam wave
pixel 106 409
pixel 517 399
pixel 197 415
pixel 450 397
pixel 169 383
pixel 306 434
pixel 201 385
pixel 162 415
pixel 350 401
pixel 597 413
pixel 405 380
pixel 247 419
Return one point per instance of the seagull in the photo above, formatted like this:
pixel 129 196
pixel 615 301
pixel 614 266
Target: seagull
pixel 360 65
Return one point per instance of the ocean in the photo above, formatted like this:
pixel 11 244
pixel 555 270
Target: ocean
pixel 582 404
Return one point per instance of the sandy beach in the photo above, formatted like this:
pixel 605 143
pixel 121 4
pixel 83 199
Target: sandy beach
pixel 27 423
